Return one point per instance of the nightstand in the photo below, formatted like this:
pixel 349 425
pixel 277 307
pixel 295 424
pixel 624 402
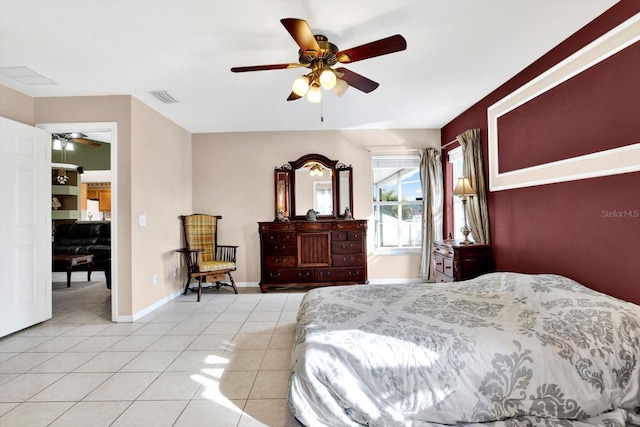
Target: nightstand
pixel 455 262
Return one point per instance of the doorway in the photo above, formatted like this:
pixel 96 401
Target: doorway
pixel 105 132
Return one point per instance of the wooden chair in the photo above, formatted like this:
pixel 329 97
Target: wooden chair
pixel 206 260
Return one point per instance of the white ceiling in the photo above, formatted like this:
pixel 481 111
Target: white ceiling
pixel 458 51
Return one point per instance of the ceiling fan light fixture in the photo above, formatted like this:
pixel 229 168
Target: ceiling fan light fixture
pixel 301 86
pixel 314 94
pixel 76 135
pixel 341 87
pixel 328 79
pixel 57 144
pixel 316 170
pixel 68 146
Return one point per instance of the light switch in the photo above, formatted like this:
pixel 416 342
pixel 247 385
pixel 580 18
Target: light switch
pixel 143 220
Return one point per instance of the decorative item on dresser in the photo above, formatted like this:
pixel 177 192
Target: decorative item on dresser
pixel 309 254
pixel 457 261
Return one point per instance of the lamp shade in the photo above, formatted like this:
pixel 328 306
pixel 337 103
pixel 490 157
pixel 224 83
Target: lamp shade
pixel 301 85
pixel 68 146
pixel 57 144
pixel 328 79
pixel 464 187
pixel 340 87
pixel 314 94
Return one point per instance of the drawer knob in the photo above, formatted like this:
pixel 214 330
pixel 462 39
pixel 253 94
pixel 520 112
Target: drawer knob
pixel 304 274
pixel 274 275
pixel 354 273
pixel 344 258
pixel 325 273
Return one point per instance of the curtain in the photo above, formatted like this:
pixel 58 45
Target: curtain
pixel 477 208
pixel 431 180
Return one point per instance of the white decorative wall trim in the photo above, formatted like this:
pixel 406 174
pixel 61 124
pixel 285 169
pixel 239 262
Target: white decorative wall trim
pixel 608 162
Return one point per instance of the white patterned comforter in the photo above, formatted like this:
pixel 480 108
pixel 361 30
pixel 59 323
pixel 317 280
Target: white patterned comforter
pixel 504 349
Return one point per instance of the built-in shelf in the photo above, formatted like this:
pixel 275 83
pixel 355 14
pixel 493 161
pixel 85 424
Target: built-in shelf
pixel 66 191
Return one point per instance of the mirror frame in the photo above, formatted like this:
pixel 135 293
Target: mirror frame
pixel 285 180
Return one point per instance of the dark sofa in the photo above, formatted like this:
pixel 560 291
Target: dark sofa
pixel 85 238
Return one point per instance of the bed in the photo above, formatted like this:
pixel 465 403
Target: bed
pixel 504 349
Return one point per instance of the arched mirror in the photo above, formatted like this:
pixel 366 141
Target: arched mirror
pixel 313 182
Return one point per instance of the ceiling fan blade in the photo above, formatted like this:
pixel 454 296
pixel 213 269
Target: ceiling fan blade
pixel 356 80
pixel 301 33
pixel 265 67
pixel 86 141
pixel 371 50
pixel 293 96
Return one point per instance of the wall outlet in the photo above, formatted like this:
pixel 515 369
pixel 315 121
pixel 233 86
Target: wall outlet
pixel 154 279
pixel 175 271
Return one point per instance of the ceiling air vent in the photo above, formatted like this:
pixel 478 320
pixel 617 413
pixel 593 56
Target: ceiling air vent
pixel 26 76
pixel 163 96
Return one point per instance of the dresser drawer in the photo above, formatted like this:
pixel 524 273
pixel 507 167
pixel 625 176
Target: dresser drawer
pixel 353 274
pixel 347 260
pixel 439 263
pixel 339 235
pixel 443 250
pixel 313 225
pixel 277 226
pixel 443 278
pixel 276 237
pixel 288 261
pixel 288 275
pixel 342 235
pixel 448 267
pixel 355 235
pixel 279 249
pixel 346 247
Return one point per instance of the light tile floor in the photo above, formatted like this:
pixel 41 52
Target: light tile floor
pixel 221 362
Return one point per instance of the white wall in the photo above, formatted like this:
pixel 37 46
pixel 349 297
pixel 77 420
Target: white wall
pixel 233 177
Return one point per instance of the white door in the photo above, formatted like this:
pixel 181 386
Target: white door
pixel 25 226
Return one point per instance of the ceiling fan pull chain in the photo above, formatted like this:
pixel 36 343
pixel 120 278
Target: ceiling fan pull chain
pixel 321 111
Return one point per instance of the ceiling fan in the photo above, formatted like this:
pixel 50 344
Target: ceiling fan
pixel 77 137
pixel 318 55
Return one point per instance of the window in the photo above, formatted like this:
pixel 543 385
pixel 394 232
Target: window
pixel 322 197
pixel 457 164
pixel 397 203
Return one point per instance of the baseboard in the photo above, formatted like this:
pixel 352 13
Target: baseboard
pixel 247 284
pixel 155 305
pixel 396 281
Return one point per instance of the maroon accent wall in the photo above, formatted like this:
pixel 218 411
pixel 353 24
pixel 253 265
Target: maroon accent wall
pixel 567 121
pixel 588 230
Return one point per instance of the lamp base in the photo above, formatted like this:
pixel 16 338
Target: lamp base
pixel 465 231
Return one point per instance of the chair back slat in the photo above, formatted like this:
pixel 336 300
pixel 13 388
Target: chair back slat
pixel 200 233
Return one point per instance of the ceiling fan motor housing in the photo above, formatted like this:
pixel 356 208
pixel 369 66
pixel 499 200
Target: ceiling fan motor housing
pixel 328 56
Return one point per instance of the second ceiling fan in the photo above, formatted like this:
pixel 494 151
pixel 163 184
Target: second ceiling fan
pixel 80 138
pixel 319 56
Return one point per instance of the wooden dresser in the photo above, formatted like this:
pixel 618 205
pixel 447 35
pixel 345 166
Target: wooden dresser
pixel 455 262
pixel 312 253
